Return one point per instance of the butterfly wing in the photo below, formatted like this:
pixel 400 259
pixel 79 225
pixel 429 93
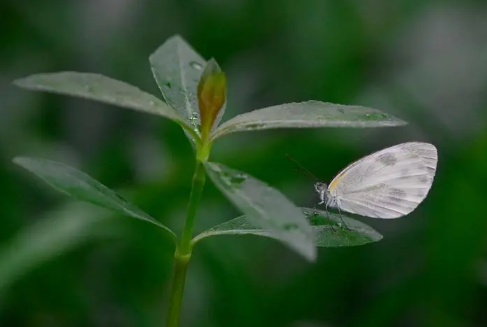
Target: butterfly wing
pixel 386 184
pixel 426 151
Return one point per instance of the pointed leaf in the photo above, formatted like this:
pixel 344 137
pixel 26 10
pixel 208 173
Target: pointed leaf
pixel 99 88
pixel 57 232
pixel 327 235
pixel 82 187
pixel 265 207
pixel 310 114
pixel 177 68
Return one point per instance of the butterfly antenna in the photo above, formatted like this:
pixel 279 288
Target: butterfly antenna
pixel 302 169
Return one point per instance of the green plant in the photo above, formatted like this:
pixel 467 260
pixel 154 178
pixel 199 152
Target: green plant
pixel 195 97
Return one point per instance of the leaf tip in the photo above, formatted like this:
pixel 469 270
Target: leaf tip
pixel 174 36
pixel 172 42
pixel 25 162
pixel 311 254
pixel 397 121
pixel 21 161
pixel 401 122
pixel 20 82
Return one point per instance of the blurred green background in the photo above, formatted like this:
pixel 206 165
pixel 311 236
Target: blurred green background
pixel 71 264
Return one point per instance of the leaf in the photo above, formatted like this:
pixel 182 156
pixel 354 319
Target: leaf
pixel 82 187
pixel 100 88
pixel 310 114
pixel 58 232
pixel 177 69
pixel 265 207
pixel 327 235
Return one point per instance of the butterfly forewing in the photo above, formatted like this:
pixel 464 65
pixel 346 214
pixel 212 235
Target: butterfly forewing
pixel 426 151
pixel 387 184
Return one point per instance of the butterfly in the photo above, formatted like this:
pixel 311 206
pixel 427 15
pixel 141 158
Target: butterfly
pixel 389 183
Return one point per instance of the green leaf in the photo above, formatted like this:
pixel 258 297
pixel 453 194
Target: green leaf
pixel 100 88
pixel 81 186
pixel 57 232
pixel 265 207
pixel 177 69
pixel 327 235
pixel 310 114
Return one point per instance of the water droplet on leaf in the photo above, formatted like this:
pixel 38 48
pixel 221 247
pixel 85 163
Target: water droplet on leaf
pixel 238 179
pixel 196 65
pixel 193 118
pixel 290 226
pixel 167 85
pixel 234 179
pixel 254 126
pixel 375 116
pixel 121 198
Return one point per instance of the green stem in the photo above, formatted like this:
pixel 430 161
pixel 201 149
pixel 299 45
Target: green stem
pixel 199 178
pixel 183 253
pixel 180 268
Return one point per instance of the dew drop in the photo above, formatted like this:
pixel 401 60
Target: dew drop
pixel 238 179
pixel 193 118
pixel 121 198
pixel 152 102
pixel 254 126
pixel 234 180
pixel 195 65
pixel 290 226
pixel 375 116
pixel 167 85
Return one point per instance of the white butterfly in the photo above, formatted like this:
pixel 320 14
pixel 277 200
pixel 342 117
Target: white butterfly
pixel 386 184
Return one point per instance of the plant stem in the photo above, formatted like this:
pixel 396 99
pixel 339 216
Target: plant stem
pixel 183 253
pixel 199 178
pixel 180 268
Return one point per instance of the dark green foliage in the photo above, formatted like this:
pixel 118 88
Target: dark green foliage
pixel 418 60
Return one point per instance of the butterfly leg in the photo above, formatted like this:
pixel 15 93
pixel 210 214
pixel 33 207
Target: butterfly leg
pixel 315 212
pixel 329 220
pixel 341 218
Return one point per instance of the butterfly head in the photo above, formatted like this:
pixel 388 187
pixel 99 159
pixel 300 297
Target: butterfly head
pixel 321 189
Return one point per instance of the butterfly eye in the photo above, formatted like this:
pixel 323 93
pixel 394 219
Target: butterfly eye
pixel 320 187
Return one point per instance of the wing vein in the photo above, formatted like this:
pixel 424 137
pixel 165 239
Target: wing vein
pixel 368 205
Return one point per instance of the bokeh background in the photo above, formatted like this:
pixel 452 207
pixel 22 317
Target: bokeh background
pixel 70 264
